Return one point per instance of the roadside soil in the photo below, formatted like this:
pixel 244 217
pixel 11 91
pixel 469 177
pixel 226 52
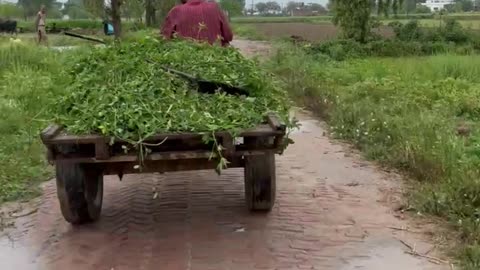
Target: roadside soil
pixel 333 211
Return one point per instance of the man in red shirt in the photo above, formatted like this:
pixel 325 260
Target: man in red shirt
pixel 199 20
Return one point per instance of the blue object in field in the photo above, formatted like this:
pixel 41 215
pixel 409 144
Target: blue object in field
pixel 108 29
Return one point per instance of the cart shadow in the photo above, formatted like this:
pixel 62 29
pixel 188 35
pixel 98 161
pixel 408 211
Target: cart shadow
pixel 183 201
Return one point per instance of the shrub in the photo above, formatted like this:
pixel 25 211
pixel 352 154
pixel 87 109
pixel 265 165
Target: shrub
pixel 451 32
pixel 405 113
pixel 341 50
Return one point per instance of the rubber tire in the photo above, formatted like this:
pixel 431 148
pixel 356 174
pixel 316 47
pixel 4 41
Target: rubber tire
pixel 80 192
pixel 260 182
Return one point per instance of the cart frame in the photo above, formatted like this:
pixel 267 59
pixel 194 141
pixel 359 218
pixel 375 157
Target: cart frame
pixel 82 161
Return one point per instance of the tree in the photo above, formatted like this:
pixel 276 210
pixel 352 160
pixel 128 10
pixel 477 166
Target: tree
pixel 464 5
pixel 31 7
pixel 354 16
pixel 157 9
pixel 409 6
pixel 291 6
pixel 273 7
pixel 150 12
pixel 115 6
pixel 96 8
pixel 421 9
pixel 316 8
pixel 9 10
pixel 261 7
pixel 232 7
pixel 134 9
pixel 75 9
pixel 385 6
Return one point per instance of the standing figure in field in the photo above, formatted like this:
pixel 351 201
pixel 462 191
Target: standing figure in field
pixel 199 20
pixel 40 25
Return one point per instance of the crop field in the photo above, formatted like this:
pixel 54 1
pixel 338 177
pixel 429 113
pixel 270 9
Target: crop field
pixel 308 31
pixel 321 28
pixel 419 115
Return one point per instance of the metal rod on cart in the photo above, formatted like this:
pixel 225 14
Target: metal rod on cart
pixel 84 37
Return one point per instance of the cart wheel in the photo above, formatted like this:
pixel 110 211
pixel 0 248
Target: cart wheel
pixel 260 182
pixel 80 192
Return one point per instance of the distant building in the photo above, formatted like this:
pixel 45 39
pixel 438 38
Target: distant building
pixel 435 5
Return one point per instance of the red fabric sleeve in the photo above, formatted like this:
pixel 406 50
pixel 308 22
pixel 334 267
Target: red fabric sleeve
pixel 227 34
pixel 168 28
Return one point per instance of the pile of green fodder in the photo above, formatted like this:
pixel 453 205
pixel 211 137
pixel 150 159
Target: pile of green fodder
pixel 122 92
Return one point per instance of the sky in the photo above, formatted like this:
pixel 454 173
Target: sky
pixel 248 2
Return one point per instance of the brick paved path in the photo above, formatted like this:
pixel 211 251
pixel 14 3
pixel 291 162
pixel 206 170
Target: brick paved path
pixel 331 213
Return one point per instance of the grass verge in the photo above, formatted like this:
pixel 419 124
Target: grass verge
pixel 420 115
pixel 27 88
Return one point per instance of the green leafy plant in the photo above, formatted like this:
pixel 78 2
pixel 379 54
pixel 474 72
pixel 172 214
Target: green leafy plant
pixel 115 92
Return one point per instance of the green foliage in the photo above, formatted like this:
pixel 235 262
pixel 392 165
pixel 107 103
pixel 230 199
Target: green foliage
pixel 247 32
pixel 410 40
pixel 76 9
pixel 421 9
pixel 27 91
pixel 122 92
pixel 420 115
pixel 8 10
pixel 353 16
pixel 341 50
pixel 31 7
pixel 451 32
pixel 232 7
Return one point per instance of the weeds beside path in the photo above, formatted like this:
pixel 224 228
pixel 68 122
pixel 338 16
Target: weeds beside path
pixel 27 88
pixel 420 115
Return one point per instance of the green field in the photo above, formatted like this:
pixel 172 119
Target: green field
pixel 434 23
pixel 420 115
pixel 27 88
pixel 468 20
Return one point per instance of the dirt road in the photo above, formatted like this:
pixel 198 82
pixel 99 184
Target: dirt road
pixel 333 211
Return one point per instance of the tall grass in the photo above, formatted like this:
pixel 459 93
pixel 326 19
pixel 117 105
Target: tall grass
pixel 28 85
pixel 421 115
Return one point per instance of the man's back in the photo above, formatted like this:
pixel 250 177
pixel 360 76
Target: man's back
pixel 200 20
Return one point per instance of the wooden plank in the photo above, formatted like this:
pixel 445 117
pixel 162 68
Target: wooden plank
pixel 167 166
pixel 277 143
pixel 165 156
pixel 228 145
pixel 75 139
pixel 275 122
pixel 50 155
pixel 261 130
pixel 50 132
pixel 102 151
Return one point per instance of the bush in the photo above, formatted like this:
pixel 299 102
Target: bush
pixel 27 91
pixel 406 113
pixel 451 32
pixel 341 50
pixel 408 31
pixel 454 32
pixel 421 9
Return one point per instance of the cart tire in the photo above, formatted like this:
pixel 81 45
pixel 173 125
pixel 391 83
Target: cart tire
pixel 260 182
pixel 79 191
